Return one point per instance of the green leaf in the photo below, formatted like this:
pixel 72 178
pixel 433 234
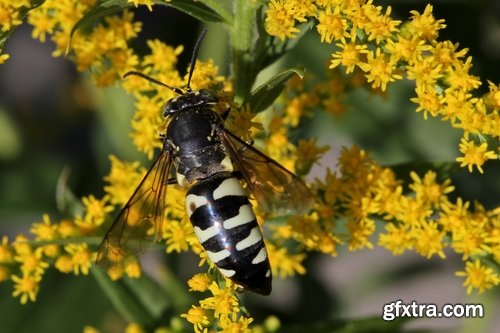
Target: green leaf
pixel 262 97
pixel 103 8
pixel 67 202
pixel 138 300
pixel 200 10
pixel 195 9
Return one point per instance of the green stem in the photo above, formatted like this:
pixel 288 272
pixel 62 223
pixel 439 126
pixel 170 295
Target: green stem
pixel 243 48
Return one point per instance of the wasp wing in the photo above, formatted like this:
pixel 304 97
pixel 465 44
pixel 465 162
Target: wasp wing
pixel 140 219
pixel 276 189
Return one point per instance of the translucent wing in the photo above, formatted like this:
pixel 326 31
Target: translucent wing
pixel 277 190
pixel 140 219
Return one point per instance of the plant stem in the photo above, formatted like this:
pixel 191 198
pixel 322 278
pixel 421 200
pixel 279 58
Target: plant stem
pixel 243 48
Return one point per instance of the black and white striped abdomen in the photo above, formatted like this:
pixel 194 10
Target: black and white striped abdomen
pixel 226 226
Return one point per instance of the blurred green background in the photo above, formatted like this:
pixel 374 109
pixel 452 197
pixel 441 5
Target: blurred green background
pixel 52 117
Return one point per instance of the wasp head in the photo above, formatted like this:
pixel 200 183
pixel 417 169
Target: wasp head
pixel 190 100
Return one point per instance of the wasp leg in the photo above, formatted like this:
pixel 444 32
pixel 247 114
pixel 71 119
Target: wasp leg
pixel 225 113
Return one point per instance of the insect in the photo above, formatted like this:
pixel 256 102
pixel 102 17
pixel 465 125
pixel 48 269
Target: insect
pixel 209 161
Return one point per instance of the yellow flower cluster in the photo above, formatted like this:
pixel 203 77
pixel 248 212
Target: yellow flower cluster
pixel 105 50
pixel 11 15
pixel 385 50
pixel 222 307
pixel 424 220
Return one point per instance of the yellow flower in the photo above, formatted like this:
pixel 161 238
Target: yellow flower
pixel 123 179
pixel 493 97
pixel 199 282
pixel 43 23
pixel 198 317
pixel 458 77
pixel 6 255
pixel 44 230
pixel 280 19
pixel 308 153
pixel 32 262
pixel 360 232
pixel 397 239
pixel 478 276
pixel 425 72
pixel 3 58
pixel 134 328
pixel 90 329
pixel 445 53
pixel 162 58
pixel 331 25
pixel 407 48
pixel 149 4
pixel 350 55
pixel 96 211
pixel 235 325
pixel 425 25
pixel 241 123
pixel 64 264
pixel 133 268
pixel 429 239
pixel 176 235
pixel 10 14
pixel 381 27
pixel 427 99
pixel 26 286
pixel 380 70
pixel 4 273
pixel 474 155
pixel 284 264
pixel 469 241
pixel 428 190
pixel 81 258
pixel 223 301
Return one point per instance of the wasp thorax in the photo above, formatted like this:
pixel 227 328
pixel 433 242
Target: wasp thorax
pixel 190 100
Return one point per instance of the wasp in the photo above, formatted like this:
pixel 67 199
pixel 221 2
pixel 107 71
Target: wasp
pixel 209 161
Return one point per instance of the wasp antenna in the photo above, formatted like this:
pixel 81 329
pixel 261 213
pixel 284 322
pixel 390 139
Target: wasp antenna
pixel 194 56
pixel 150 79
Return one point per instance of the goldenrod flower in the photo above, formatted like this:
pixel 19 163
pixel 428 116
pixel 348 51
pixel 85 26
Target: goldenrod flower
pixel 199 282
pixel 149 4
pixel 397 239
pixel 332 26
pixel 32 263
pixel 123 178
pixel 478 276
pixel 198 317
pixel 3 58
pixel 284 264
pixel 134 328
pixel 350 56
pixel 81 258
pixel 380 69
pixel 425 25
pixel 26 286
pixel 280 19
pixel 6 254
pixel 235 325
pixel 428 191
pixel 474 155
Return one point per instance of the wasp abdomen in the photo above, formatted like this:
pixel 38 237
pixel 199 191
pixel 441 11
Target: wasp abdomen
pixel 226 226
